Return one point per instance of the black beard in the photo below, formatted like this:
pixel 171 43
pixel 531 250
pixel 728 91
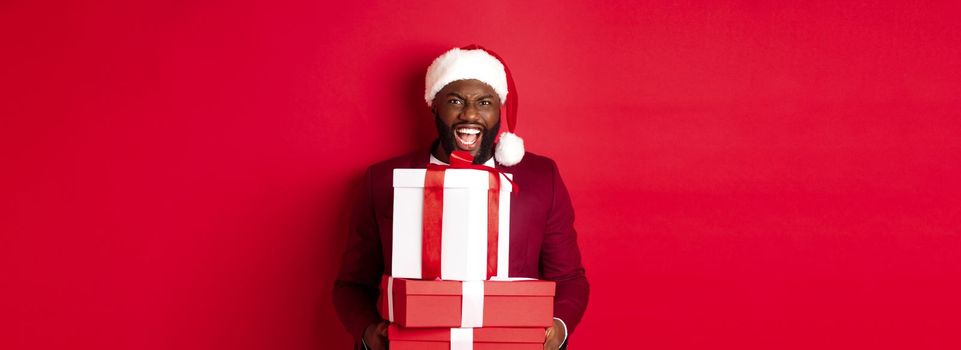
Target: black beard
pixel 446 135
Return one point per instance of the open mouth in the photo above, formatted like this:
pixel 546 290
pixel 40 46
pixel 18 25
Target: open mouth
pixel 467 137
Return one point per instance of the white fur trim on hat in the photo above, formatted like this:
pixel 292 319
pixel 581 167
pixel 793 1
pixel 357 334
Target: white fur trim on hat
pixel 458 64
pixel 509 150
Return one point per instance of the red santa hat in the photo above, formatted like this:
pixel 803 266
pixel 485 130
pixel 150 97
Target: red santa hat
pixel 476 62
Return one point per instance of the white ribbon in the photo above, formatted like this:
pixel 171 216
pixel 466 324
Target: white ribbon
pixel 461 339
pixel 504 227
pixel 390 299
pixel 472 304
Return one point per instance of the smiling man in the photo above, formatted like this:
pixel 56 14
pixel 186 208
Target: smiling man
pixel 467 114
pixel 466 90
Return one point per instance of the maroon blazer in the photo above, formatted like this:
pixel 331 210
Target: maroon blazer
pixel 543 241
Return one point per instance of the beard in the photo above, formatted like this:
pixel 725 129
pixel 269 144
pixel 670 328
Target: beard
pixel 486 149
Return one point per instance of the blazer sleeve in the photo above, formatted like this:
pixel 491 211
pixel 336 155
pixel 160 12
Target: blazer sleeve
pixel 561 257
pixel 356 289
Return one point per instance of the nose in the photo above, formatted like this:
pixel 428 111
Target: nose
pixel 469 113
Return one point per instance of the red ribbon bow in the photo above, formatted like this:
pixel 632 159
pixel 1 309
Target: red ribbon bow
pixel 434 213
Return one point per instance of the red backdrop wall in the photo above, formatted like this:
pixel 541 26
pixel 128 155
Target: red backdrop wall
pixel 746 174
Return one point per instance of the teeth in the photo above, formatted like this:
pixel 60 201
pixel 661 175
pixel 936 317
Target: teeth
pixel 468 131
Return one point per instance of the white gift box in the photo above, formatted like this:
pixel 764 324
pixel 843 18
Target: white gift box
pixel 464 227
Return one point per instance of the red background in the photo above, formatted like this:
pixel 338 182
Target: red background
pixel 746 174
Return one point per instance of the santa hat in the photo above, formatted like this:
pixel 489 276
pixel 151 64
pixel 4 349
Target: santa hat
pixel 475 62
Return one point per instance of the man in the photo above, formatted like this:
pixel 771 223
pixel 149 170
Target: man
pixel 465 90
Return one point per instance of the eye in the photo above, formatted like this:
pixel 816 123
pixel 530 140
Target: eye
pixel 485 103
pixel 453 101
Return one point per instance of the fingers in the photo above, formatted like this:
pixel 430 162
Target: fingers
pixel 550 339
pixel 379 343
pixel 375 336
pixel 552 344
pixel 382 329
pixel 382 333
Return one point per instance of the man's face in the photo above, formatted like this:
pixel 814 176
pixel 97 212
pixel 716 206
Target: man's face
pixel 468 116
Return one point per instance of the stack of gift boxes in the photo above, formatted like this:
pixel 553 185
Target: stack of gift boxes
pixel 449 286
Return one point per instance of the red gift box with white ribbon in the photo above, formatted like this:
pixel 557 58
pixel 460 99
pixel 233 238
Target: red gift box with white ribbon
pixel 418 303
pixel 402 338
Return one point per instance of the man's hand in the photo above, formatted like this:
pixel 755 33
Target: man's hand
pixel 554 336
pixel 375 336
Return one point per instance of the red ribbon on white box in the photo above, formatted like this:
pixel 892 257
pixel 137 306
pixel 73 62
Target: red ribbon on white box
pixel 469 248
pixel 434 213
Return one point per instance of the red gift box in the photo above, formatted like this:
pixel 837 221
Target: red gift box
pixel 402 338
pixel 419 303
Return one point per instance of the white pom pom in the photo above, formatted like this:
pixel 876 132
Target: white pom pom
pixel 509 150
